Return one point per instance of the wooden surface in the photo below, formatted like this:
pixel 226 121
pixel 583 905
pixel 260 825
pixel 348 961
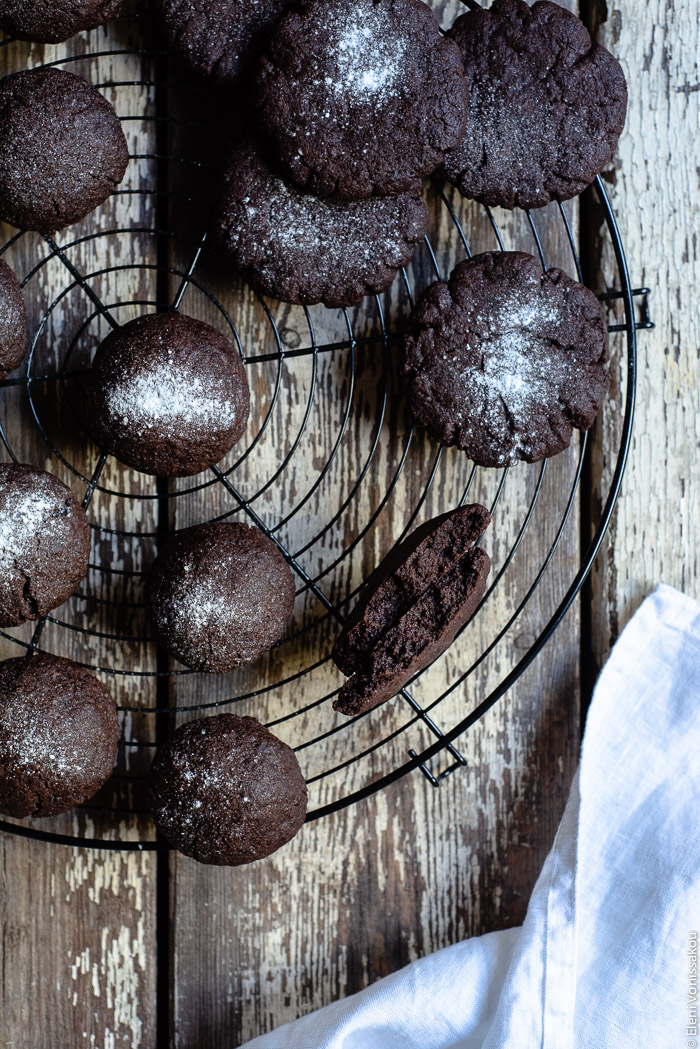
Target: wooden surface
pixel 110 949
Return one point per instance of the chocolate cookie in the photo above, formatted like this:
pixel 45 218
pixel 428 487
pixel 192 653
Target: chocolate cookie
pixel 505 360
pixel 44 543
pixel 412 608
pixel 297 248
pixel 546 105
pixel 58 735
pixel 62 149
pixel 220 38
pixel 13 322
pixel 362 99
pixel 48 22
pixel 226 791
pixel 167 395
pixel 219 596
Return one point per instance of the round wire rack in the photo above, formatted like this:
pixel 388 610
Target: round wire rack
pixel 331 469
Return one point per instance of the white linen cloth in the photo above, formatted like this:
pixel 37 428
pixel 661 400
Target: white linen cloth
pixel 602 960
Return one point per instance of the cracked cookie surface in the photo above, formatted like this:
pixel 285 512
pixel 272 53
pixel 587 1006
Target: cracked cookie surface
pixel 361 99
pixel 44 543
pixel 297 248
pixel 505 361
pixel 546 106
pixel 62 149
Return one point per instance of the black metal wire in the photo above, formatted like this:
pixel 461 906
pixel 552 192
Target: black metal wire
pixel 404 715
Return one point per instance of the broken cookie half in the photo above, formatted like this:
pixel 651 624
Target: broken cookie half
pixel 412 608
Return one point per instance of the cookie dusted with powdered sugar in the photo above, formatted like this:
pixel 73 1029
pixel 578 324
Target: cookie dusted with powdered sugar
pixel 167 395
pixel 58 735
pixel 224 790
pixel 546 106
pixel 62 149
pixel 44 543
pixel 49 22
pixel 363 98
pixel 505 361
pixel 295 247
pixel 220 39
pixel 219 596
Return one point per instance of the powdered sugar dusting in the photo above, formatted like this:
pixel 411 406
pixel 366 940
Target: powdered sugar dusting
pixel 36 745
pixel 293 221
pixel 521 372
pixel 24 514
pixel 200 603
pixel 301 248
pixel 198 784
pixel 166 397
pixel 368 52
pixel 514 381
pixel 203 611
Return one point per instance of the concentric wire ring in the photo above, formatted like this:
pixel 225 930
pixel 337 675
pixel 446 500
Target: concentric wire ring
pixel 379 463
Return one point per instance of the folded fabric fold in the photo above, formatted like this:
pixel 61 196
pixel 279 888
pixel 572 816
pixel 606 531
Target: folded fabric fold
pixel 602 960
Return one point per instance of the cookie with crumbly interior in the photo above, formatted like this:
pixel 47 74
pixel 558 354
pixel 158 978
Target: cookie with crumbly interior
pixel 505 360
pixel 363 98
pixel 220 595
pixel 546 105
pixel 58 735
pixel 62 149
pixel 44 543
pixel 226 791
pixel 412 607
pixel 293 246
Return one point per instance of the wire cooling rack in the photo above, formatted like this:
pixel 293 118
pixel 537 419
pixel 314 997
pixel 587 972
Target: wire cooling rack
pixel 331 470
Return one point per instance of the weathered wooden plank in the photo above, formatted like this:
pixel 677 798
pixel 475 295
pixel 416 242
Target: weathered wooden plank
pixel 78 926
pixel 654 189
pixel 366 890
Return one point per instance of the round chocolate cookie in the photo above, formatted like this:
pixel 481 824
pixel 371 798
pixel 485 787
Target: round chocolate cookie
pixel 226 791
pixel 546 105
pixel 505 360
pixel 48 22
pixel 219 596
pixel 13 322
pixel 295 247
pixel 362 99
pixel 58 735
pixel 220 38
pixel 167 395
pixel 44 543
pixel 62 149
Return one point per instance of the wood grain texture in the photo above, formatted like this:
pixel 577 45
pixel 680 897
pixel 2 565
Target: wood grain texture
pixel 78 925
pixel 364 891
pixel 654 188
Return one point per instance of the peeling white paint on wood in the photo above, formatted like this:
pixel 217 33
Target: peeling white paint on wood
pixel 406 873
pixel 656 194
